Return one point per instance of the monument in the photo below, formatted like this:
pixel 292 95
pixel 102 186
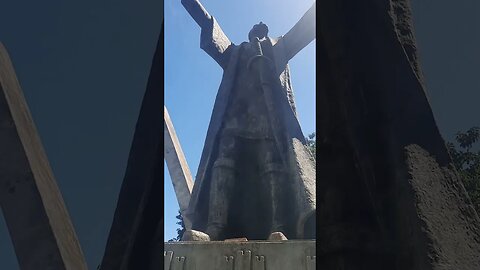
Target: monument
pixel 254 164
pixel 255 185
pixel 388 194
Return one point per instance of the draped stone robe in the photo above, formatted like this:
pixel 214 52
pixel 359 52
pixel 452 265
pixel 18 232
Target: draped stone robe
pixel 289 139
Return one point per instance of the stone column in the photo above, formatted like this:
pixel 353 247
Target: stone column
pixel 177 167
pixel 37 219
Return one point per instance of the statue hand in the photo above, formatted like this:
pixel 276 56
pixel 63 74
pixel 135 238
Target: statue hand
pixel 198 12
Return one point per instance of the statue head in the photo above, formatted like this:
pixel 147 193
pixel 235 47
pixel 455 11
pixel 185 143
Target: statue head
pixel 259 30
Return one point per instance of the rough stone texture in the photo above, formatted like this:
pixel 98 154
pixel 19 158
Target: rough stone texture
pixel 37 219
pixel 253 255
pixel 277 236
pixel 394 200
pixel 192 235
pixel 445 216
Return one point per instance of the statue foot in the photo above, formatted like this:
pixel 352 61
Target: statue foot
pixel 192 235
pixel 215 232
pixel 277 236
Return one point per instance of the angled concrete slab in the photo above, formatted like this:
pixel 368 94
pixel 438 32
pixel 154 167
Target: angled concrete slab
pixel 177 167
pixel 37 219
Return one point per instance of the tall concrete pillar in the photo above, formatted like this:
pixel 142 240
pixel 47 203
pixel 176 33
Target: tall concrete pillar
pixel 37 219
pixel 177 167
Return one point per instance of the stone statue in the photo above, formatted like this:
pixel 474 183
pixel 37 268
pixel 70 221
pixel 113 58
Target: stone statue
pixel 389 196
pixel 256 176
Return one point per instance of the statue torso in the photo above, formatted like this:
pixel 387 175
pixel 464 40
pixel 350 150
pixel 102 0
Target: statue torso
pixel 247 115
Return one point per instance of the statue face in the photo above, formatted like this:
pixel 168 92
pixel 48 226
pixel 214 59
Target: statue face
pixel 259 30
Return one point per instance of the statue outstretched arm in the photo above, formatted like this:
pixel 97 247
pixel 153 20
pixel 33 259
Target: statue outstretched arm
pixel 198 12
pixel 301 34
pixel 212 40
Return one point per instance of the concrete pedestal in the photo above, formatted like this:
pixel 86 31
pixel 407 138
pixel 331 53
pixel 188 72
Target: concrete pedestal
pixel 251 255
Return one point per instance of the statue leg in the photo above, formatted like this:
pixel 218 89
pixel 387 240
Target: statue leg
pixel 274 175
pixel 223 178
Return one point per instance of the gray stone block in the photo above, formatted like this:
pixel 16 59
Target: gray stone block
pixel 251 255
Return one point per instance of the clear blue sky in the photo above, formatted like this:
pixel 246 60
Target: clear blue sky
pixel 192 77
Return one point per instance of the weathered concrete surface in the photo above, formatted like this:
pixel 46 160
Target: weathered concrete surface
pixel 138 216
pixel 448 221
pixel 253 255
pixel 373 103
pixel 177 167
pixel 192 235
pixel 36 216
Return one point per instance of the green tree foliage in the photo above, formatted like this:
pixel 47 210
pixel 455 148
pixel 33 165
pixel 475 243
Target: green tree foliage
pixel 466 158
pixel 180 230
pixel 312 144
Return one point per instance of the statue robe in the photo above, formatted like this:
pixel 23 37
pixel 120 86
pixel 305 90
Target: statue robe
pixel 289 138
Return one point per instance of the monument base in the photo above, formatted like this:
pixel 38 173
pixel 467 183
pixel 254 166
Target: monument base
pixel 249 255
